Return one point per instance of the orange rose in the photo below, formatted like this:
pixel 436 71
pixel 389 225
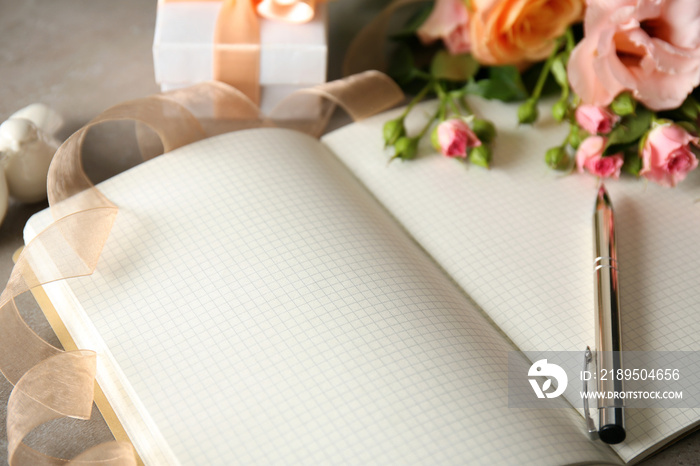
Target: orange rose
pixel 508 32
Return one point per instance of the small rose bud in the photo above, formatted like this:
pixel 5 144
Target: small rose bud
pixel 666 155
pixel 557 158
pixel 454 137
pixel 480 155
pixel 595 120
pixel 623 104
pixel 559 109
pixel 406 148
pixel 589 157
pixel 484 130
pixel 393 130
pixel 527 112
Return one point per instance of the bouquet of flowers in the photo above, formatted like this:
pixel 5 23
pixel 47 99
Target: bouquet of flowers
pixel 627 80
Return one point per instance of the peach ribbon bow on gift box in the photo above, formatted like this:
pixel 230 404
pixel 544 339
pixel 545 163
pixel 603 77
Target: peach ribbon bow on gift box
pixel 237 38
pixel 292 11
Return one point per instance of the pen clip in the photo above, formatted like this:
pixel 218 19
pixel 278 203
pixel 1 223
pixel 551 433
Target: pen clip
pixel 592 431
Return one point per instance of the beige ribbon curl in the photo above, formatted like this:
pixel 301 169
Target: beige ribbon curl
pixel 51 383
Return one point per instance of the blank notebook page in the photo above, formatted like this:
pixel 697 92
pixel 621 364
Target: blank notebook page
pixel 518 239
pixel 256 305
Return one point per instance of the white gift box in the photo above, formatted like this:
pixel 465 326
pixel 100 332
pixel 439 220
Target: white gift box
pixel 292 56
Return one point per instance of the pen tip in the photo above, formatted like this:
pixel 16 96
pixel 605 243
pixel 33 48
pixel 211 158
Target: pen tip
pixel 603 199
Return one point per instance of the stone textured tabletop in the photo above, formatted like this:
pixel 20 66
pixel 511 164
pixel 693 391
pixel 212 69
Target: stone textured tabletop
pixel 80 57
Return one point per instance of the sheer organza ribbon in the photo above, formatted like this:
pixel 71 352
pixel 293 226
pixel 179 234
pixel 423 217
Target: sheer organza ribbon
pixel 51 383
pixel 236 59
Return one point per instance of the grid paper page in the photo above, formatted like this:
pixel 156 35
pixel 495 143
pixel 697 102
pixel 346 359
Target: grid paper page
pixel 518 240
pixel 264 308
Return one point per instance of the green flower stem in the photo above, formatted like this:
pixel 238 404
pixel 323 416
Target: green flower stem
pixel 417 99
pixel 544 73
pixel 447 100
pixel 564 93
pixel 442 111
pixel 570 44
pixel 537 91
pixel 465 105
pixel 454 105
pixel 570 41
pixel 428 124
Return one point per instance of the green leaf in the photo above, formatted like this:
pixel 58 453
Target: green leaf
pixel 504 83
pixel 632 164
pixel 509 77
pixel 624 104
pixel 453 67
pixel 690 108
pixel 630 129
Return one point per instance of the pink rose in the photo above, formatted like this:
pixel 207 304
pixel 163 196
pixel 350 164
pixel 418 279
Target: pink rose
pixel 458 41
pixel 454 138
pixel 595 119
pixel 648 47
pixel 589 156
pixel 666 156
pixel 448 21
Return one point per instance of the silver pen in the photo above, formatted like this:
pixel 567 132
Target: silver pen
pixel 608 334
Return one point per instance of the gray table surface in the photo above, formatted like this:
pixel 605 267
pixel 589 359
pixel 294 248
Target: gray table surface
pixel 80 57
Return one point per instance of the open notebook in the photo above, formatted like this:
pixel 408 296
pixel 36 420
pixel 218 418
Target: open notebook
pixel 264 296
